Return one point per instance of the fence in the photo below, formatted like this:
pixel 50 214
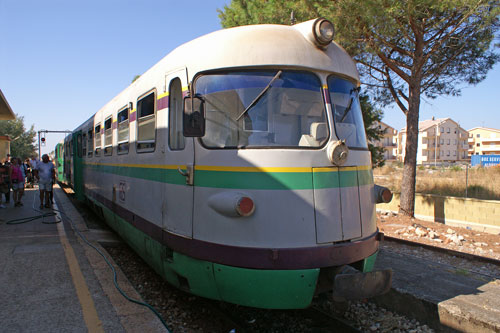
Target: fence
pixel 482 215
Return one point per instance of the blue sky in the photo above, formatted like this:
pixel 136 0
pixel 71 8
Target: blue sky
pixel 62 60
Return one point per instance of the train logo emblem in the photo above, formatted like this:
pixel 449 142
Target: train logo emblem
pixel 121 191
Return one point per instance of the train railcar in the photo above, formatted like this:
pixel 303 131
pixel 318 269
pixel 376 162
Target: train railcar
pixel 59 162
pixel 238 168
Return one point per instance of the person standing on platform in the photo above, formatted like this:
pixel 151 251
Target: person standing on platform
pixel 33 161
pixel 17 178
pixel 7 164
pixel 4 182
pixel 45 173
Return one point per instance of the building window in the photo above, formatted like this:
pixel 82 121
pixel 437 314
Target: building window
pixel 447 153
pixel 455 141
pixel 448 142
pixel 447 130
pixel 454 153
pixel 123 131
pixel 478 135
pixel 455 130
pixel 146 129
pixel 442 152
pixel 98 140
pixel 478 144
pixel 442 141
pixel 442 129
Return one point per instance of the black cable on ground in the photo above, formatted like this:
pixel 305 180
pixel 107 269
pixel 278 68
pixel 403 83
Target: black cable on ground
pixel 115 276
pixel 42 216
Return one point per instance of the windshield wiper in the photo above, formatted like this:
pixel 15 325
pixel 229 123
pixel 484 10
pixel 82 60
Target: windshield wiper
pixel 350 103
pixel 347 110
pixel 260 95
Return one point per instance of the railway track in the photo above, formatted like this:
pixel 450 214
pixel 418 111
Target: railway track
pixel 316 319
pixel 459 254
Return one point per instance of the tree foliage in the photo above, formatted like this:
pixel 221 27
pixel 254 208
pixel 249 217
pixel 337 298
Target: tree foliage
pixel 404 49
pixel 371 117
pixel 23 141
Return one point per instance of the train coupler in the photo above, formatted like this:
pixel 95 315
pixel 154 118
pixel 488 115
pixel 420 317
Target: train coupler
pixel 350 284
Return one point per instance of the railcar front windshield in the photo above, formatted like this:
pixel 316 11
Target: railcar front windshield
pixel 347 112
pixel 268 108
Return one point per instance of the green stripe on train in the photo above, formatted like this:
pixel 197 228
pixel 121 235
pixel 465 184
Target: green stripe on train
pixel 246 180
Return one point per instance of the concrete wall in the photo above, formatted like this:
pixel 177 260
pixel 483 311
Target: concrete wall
pixel 483 215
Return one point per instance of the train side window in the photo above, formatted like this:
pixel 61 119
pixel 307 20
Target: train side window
pixel 175 136
pixel 71 148
pixel 98 140
pixel 146 123
pixel 90 143
pixel 79 145
pixel 108 137
pixel 123 131
pixel 84 145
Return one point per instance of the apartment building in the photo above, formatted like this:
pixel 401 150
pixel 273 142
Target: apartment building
pixel 439 140
pixel 484 141
pixel 388 141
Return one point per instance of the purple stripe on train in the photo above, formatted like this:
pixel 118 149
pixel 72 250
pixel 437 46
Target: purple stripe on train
pixel 162 103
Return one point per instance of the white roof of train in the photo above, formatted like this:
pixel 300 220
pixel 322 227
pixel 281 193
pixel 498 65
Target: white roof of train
pixel 266 45
pixel 259 45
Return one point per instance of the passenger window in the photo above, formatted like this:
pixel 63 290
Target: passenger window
pixel 84 145
pixel 90 143
pixel 123 131
pixel 175 136
pixel 108 137
pixel 98 140
pixel 79 145
pixel 146 129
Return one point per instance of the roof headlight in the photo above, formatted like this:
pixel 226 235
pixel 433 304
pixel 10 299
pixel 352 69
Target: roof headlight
pixel 323 31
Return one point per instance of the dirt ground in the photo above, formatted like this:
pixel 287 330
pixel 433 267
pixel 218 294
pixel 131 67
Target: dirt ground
pixel 439 234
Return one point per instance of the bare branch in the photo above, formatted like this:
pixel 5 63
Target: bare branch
pixel 394 93
pixel 392 46
pixel 451 32
pixel 402 94
pixel 403 30
pixel 393 66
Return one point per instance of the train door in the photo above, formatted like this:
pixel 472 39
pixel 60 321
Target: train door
pixel 177 210
pixel 77 165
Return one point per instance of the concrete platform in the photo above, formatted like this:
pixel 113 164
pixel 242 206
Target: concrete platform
pixel 51 281
pixel 445 298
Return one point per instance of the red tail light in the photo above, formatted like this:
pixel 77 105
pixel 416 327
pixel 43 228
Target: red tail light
pixel 245 206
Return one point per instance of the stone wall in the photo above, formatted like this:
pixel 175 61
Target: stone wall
pixel 483 215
